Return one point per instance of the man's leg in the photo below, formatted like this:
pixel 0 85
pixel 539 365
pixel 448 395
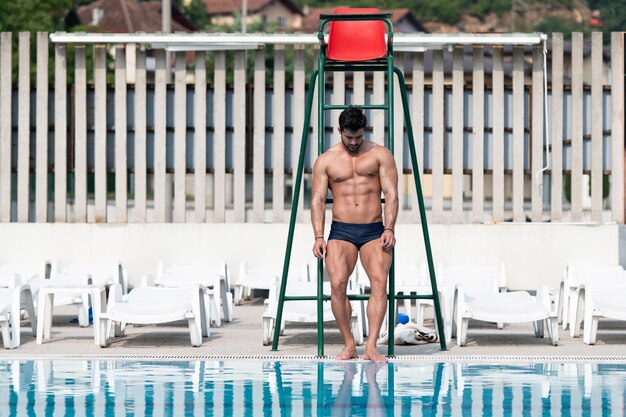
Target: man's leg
pixel 341 258
pixel 376 262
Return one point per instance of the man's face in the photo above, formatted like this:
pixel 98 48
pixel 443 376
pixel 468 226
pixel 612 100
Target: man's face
pixel 352 140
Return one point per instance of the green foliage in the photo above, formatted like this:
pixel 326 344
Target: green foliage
pixel 34 15
pixel 551 24
pixel 613 15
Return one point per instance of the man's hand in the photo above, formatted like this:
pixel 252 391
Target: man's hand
pixel 319 248
pixel 387 239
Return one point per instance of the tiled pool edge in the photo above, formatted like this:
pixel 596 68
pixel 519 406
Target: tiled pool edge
pixel 398 358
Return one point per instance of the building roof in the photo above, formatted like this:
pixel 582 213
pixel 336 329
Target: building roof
pixel 228 7
pixel 128 16
pixel 311 21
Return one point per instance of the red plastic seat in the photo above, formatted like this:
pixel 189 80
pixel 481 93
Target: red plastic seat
pixel 356 40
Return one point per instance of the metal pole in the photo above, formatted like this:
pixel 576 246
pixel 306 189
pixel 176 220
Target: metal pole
pixel 244 16
pixel 166 16
pixel 422 211
pixel 294 209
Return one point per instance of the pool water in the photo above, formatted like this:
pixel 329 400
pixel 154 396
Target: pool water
pixel 309 388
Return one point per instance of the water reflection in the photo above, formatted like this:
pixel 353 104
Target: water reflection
pixel 264 388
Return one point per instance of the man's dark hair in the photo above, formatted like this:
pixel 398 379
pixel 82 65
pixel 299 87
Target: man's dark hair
pixel 353 118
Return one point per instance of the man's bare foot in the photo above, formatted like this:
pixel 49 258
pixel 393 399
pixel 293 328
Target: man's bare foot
pixel 346 354
pixel 371 354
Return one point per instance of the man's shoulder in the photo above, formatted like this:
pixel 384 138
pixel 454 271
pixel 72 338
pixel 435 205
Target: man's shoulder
pixel 380 150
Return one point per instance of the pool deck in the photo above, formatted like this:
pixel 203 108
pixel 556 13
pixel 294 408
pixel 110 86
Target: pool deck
pixel 242 338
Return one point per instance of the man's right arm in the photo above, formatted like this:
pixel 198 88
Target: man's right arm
pixel 318 206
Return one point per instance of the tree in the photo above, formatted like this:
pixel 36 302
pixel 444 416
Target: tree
pixel 34 15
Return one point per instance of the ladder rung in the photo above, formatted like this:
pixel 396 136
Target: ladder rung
pixel 363 106
pixel 414 297
pixel 326 297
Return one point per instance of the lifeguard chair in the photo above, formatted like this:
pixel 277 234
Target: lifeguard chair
pixel 357 41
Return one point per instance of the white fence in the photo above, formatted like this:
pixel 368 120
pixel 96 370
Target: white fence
pixel 146 136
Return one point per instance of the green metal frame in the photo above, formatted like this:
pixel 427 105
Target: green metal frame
pixel 383 65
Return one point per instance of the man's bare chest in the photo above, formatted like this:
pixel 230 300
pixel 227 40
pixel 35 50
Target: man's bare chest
pixel 353 169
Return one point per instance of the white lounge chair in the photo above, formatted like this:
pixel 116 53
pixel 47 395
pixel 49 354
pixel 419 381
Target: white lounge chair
pixel 155 305
pixel 32 274
pixel 303 311
pixel 12 300
pixel 506 307
pixel 483 278
pixel 596 301
pixel 106 275
pixel 260 277
pixel 574 276
pixel 213 278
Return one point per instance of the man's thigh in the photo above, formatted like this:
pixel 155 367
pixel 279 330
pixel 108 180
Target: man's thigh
pixel 376 261
pixel 341 259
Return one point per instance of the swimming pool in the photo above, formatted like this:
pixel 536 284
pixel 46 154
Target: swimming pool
pixel 309 388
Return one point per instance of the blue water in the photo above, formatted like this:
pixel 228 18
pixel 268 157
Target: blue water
pixel 309 388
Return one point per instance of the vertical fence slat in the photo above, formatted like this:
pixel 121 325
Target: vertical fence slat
pixel 199 142
pixel 617 127
pixel 417 119
pixel 5 125
pixel 278 147
pixel 498 135
pixel 100 101
pixel 457 135
pixel 597 83
pixel 80 135
pixel 339 97
pixel 518 135
pixel 537 133
pixel 23 128
pixel 41 176
pixel 160 132
pixel 358 91
pixel 398 128
pixel 121 157
pixel 60 133
pixel 239 137
pixel 297 109
pixel 141 181
pixel 258 165
pixel 556 111
pixel 180 138
pixel 437 137
pixel 478 134
pixel 577 127
pixel 219 137
pixel 378 116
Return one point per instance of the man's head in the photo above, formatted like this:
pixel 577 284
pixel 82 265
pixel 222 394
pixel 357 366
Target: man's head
pixel 352 119
pixel 352 123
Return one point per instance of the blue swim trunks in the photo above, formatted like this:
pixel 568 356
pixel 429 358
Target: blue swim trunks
pixel 357 234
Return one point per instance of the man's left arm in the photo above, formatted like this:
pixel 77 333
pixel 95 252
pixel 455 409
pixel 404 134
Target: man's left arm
pixel 389 185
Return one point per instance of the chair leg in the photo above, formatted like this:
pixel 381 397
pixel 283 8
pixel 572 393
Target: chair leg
pixel 578 314
pixel 560 303
pixel 105 326
pixel 552 324
pixel 206 311
pixel 461 331
pixel 216 317
pixel 268 329
pixel 227 299
pixel 195 331
pixel 538 325
pixel 83 311
pixel 238 294
pixel 6 334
